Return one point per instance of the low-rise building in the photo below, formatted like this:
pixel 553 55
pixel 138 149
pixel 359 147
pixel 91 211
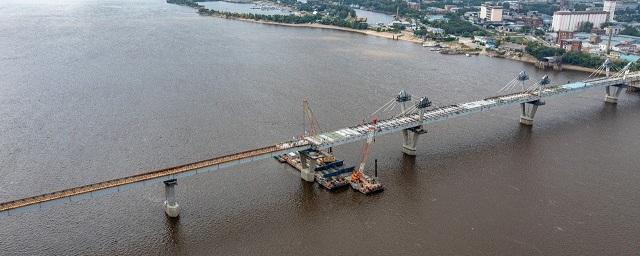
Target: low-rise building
pixel 486 41
pixel 413 5
pixel 613 29
pixel 627 47
pixel 435 30
pixel 513 47
pixel 571 45
pixel 532 21
pixel 562 35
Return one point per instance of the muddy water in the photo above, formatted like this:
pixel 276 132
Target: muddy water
pixel 94 90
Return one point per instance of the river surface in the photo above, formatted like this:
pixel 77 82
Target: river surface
pixel 374 18
pixel 95 90
pixel 246 8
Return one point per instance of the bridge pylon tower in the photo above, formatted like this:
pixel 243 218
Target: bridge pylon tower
pixel 528 109
pixel 410 136
pixel 612 92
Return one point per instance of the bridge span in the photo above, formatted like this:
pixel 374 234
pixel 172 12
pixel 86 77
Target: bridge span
pixel 410 122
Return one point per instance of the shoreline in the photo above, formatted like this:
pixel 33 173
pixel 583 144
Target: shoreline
pixel 387 35
pixel 391 36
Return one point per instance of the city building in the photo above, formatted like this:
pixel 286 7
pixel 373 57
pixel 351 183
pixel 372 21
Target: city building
pixel 449 7
pixel 571 45
pixel 562 35
pixel 626 47
pixel 610 7
pixel 437 31
pixel 413 5
pixel 613 29
pixel 532 21
pixel 489 12
pixel 571 21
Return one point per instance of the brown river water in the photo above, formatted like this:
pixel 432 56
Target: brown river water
pixel 94 90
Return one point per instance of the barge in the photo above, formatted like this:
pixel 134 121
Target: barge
pixel 329 172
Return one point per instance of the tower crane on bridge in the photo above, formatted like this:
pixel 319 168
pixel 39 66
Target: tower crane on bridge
pixel 314 128
pixel 359 180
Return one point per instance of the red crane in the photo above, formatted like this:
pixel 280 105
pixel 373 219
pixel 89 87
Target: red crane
pixel 359 180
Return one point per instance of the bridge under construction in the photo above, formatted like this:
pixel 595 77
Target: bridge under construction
pixel 409 122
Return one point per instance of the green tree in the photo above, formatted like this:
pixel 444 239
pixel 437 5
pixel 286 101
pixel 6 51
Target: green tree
pixel 540 51
pixel 580 7
pixel 544 8
pixel 585 27
pixel 582 59
pixel 630 31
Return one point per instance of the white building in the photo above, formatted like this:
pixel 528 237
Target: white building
pixel 610 6
pixel 571 21
pixel 490 12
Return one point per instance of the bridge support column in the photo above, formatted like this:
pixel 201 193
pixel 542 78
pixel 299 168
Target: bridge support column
pixel 612 93
pixel 171 207
pixel 410 136
pixel 307 171
pixel 529 111
pixel 410 140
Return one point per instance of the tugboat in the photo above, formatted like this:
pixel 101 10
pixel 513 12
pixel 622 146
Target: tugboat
pixel 366 184
pixel 359 180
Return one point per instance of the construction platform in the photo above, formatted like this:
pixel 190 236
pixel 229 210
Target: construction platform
pixel 329 172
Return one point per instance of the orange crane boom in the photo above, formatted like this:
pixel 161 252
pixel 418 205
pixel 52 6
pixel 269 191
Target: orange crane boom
pixel 357 173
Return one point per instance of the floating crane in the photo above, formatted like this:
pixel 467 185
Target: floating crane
pixel 359 180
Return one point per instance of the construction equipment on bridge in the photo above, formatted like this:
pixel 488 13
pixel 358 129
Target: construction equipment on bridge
pixel 327 171
pixel 310 119
pixel 314 128
pixel 359 180
pixel 329 174
pixel 325 140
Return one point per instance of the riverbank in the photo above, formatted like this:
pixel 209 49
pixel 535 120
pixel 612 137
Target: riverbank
pixel 457 47
pixel 404 36
pixel 532 60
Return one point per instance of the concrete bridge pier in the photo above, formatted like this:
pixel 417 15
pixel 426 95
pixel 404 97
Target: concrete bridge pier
pixel 613 92
pixel 410 141
pixel 171 207
pixel 307 171
pixel 529 111
pixel 633 86
pixel 410 136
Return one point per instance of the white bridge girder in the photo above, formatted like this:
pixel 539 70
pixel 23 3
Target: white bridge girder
pixel 321 141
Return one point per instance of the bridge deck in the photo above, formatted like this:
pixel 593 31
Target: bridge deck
pixel 357 133
pixel 324 140
pixel 88 191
